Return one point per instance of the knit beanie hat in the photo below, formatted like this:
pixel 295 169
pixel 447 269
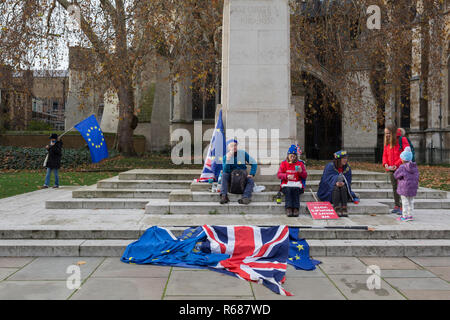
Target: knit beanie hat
pixel 292 150
pixel 406 155
pixel 231 141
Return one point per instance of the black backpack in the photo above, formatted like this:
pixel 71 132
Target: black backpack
pixel 400 141
pixel 238 181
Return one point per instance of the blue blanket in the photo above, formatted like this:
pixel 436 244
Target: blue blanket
pixel 329 179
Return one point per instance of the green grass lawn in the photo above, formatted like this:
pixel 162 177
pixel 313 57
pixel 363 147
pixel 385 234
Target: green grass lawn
pixel 14 183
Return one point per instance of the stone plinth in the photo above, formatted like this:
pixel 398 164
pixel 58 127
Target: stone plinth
pixel 256 91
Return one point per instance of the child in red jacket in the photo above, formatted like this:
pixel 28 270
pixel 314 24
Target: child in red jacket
pixel 291 173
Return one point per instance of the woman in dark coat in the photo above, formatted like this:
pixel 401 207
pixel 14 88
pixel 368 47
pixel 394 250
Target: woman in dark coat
pixel 53 160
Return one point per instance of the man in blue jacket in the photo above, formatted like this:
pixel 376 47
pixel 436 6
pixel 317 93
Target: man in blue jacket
pixel 237 159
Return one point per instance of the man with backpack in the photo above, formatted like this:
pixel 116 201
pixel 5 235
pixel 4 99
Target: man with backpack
pixel 235 174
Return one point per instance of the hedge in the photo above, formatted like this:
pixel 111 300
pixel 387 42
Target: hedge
pixel 16 158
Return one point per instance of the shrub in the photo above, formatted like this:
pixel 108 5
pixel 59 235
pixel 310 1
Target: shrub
pixel 36 125
pixel 16 158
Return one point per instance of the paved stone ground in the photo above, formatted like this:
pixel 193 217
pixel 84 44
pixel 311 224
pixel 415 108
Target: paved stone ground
pixel 337 278
pixel 108 278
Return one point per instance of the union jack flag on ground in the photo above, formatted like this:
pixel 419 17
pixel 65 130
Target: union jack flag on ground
pixel 214 159
pixel 256 254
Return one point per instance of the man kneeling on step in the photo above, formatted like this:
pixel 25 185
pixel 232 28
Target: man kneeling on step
pixel 237 160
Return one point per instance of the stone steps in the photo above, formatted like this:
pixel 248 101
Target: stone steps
pixel 310 184
pixel 422 203
pixel 160 174
pixel 187 195
pixel 115 248
pixel 92 192
pixel 380 233
pixel 115 183
pixel 178 195
pixel 191 174
pixel 163 206
pixel 98 203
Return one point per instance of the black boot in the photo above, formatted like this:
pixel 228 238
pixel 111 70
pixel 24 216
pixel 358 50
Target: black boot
pixel 224 199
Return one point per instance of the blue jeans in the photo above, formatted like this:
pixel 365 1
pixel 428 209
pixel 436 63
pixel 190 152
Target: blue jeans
pixel 47 177
pixel 226 177
pixel 292 197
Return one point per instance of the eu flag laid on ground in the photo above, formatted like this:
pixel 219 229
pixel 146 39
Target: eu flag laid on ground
pixel 91 132
pixel 214 159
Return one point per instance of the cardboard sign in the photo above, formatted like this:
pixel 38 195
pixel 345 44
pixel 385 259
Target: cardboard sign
pixel 321 210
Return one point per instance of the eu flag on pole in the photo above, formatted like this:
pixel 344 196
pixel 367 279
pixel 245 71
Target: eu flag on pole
pixel 214 159
pixel 91 132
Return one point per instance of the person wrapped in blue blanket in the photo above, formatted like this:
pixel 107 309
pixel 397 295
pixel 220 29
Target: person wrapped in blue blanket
pixel 336 184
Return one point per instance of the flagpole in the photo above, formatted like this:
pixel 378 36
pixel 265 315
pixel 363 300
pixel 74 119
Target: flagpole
pixel 72 128
pixel 66 132
pixel 366 228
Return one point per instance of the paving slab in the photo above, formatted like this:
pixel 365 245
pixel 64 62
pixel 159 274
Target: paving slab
pixel 45 268
pixel 291 272
pixel 114 268
pixel 34 248
pixel 14 262
pixel 341 265
pixel 201 283
pixel 432 261
pixel 390 262
pixel 6 272
pixel 302 289
pixel 104 248
pixel 121 289
pixel 441 272
pixel 406 274
pixel 34 290
pixel 354 287
pixel 427 294
pixel 418 283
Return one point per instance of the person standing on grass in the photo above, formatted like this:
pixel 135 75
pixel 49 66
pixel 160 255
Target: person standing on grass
pixel 407 176
pixel 53 160
pixel 392 161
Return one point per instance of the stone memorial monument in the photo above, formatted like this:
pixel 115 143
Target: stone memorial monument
pixel 256 89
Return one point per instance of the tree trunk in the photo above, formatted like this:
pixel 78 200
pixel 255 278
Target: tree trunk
pixel 126 112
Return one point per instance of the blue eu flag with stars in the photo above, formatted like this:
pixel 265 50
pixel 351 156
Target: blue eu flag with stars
pixel 299 252
pixel 91 132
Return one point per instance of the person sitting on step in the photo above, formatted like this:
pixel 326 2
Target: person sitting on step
pixel 336 184
pixel 237 160
pixel 292 174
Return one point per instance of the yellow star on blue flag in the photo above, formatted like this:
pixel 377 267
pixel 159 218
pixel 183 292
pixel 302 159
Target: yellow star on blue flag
pixel 91 132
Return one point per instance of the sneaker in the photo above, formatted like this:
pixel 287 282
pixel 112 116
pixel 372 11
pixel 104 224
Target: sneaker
pixel 344 212
pixel 397 210
pixel 295 212
pixel 244 201
pixel 44 187
pixel 404 219
pixel 55 187
pixel 289 212
pixel 409 218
